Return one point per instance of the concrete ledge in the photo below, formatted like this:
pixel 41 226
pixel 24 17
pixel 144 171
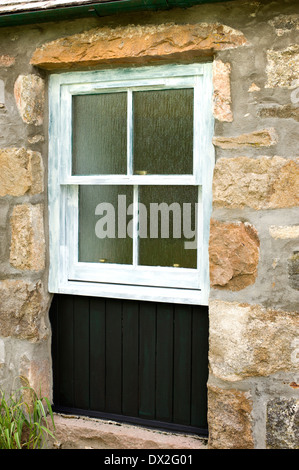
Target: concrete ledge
pixel 73 432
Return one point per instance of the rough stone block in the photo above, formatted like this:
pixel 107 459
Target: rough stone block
pixel 27 251
pixel 259 183
pixel 22 307
pixel 6 61
pixel 261 138
pixel 250 341
pixel 284 232
pixel 253 87
pixel 38 375
pixel 229 417
pixel 234 255
pixel 136 44
pixel 285 24
pixel 286 186
pixel 282 427
pixel 283 67
pixel 21 172
pixel 87 433
pixel 29 93
pixel 287 111
pixel 222 91
pixel 36 168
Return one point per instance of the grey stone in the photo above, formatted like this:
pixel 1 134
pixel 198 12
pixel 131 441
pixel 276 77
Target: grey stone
pixel 282 431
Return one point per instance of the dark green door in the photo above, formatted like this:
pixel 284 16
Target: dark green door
pixel 139 362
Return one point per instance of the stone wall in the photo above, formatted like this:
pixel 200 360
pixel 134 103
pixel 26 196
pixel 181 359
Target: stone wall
pixel 254 236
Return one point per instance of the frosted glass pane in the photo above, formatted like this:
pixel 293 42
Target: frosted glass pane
pixel 100 134
pixel 103 224
pixel 163 132
pixel 168 238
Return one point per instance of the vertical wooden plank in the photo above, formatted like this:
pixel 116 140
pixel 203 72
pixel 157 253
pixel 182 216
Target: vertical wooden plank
pixel 66 350
pixel 81 352
pixel 97 354
pixel 130 358
pixel 200 330
pixel 164 362
pixel 113 356
pixel 182 364
pixel 147 351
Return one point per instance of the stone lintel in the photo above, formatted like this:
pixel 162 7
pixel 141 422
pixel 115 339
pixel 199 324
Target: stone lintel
pixel 136 44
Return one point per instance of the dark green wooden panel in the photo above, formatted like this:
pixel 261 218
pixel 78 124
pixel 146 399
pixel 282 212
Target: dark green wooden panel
pixel 97 315
pixel 81 352
pixel 147 348
pixel 55 347
pixel 137 360
pixel 200 345
pixel 182 364
pixel 164 362
pixel 113 356
pixel 66 350
pixel 130 358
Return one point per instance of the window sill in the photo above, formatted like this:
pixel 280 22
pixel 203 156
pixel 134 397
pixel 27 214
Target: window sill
pixel 145 293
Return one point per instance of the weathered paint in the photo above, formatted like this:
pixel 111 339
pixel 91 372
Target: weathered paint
pixel 123 281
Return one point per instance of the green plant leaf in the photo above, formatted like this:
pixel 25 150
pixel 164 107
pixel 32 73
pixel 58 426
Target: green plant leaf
pixel 50 410
pixel 24 425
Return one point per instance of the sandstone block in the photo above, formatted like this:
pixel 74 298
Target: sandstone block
pixel 136 44
pixel 286 186
pixel 261 138
pixel 29 93
pixel 21 172
pixel 282 67
pixel 286 111
pixel 259 183
pixel 22 306
pixel 250 341
pixel 284 232
pixel 253 87
pixel 27 251
pixel 234 255
pixel 35 139
pixel 37 374
pixel 6 60
pixel 229 417
pixel 282 426
pixel 86 433
pixel 222 91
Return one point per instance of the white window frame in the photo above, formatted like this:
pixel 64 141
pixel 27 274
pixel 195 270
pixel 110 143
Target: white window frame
pixel 164 284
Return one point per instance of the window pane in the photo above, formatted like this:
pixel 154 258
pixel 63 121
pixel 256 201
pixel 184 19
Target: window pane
pixel 163 131
pixel 100 134
pixel 167 231
pixel 102 232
